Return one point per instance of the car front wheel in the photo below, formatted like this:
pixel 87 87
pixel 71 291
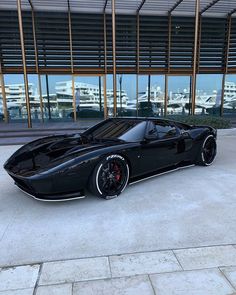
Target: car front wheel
pixel 110 177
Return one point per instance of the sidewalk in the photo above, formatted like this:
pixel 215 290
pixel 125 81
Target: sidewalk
pixel 169 235
pixel 192 271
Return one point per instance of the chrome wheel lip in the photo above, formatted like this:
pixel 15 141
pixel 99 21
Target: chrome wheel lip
pixel 123 185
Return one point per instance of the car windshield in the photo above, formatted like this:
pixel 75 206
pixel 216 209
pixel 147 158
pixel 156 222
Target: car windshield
pixel 127 130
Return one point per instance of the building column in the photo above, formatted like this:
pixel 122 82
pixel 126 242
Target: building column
pixel 4 98
pixel 137 61
pixel 225 63
pixel 36 63
pixel 72 62
pixel 114 57
pixel 168 65
pixel 105 63
pixel 24 63
pixel 194 75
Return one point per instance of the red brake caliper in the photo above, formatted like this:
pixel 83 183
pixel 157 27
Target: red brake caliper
pixel 118 172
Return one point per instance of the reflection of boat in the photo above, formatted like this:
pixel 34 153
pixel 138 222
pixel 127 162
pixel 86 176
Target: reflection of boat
pixel 88 96
pixel 229 108
pixel 176 109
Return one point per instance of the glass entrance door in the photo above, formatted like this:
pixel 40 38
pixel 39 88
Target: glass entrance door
pixel 89 97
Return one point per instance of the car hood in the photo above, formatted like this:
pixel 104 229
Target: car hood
pixel 50 151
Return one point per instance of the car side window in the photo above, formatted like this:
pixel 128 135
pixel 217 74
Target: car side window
pixel 165 129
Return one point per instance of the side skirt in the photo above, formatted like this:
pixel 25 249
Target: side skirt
pixel 159 172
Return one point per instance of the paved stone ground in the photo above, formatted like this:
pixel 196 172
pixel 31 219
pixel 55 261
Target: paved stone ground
pixel 192 271
pixel 173 234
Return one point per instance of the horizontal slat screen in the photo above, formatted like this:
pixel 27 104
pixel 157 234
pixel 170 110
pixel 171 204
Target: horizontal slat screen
pixel 53 41
pixel 232 47
pixel 125 41
pixel 10 40
pixel 213 42
pixel 182 42
pixel 153 42
pixel 52 32
pixel 88 41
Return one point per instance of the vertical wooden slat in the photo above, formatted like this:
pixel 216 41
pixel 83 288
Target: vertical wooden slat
pixel 114 56
pixel 226 61
pixel 36 62
pixel 105 62
pixel 193 86
pixel 24 63
pixel 137 60
pixel 4 97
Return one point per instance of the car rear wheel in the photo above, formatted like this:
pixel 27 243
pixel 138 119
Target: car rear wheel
pixel 208 151
pixel 110 177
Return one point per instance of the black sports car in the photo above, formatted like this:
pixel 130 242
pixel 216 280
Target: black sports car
pixel 108 156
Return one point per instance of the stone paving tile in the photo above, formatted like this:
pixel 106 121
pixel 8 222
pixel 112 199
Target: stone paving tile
pixel 196 282
pixel 206 257
pixel 74 270
pixel 143 263
pixel 230 273
pixel 139 285
pixel 63 289
pixel 21 277
pixel 18 292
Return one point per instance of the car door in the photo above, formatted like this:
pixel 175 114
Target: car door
pixel 163 146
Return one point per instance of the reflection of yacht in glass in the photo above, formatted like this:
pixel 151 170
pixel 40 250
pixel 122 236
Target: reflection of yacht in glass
pixel 90 101
pixel 89 98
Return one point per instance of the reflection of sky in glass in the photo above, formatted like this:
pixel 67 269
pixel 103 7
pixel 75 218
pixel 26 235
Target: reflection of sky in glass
pixel 183 82
pixel 13 79
pixel 230 78
pixel 208 83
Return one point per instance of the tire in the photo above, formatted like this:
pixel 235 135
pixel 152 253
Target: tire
pixel 207 152
pixel 110 177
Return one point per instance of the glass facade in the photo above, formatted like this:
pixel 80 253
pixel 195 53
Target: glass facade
pixel 126 95
pixel 35 106
pixel 208 94
pixel 151 95
pixel 57 97
pixel 52 97
pixel 70 58
pixel 15 97
pixel 179 95
pixel 89 96
pixel 1 104
pixel 229 105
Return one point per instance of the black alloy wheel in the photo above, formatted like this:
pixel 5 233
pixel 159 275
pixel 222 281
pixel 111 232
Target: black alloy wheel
pixel 208 151
pixel 110 177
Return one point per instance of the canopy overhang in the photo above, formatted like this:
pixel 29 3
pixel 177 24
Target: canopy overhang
pixel 212 8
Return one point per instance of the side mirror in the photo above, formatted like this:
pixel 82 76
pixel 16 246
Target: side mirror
pixel 185 135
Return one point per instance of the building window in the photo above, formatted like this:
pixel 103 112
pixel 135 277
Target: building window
pixel 57 97
pixel 151 92
pixel 179 95
pixel 15 96
pixel 208 94
pixel 229 105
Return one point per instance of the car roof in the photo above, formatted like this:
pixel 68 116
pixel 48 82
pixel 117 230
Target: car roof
pixel 141 119
pixel 149 119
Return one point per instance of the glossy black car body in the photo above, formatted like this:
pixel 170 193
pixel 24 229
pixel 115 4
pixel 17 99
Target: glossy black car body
pixel 62 167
